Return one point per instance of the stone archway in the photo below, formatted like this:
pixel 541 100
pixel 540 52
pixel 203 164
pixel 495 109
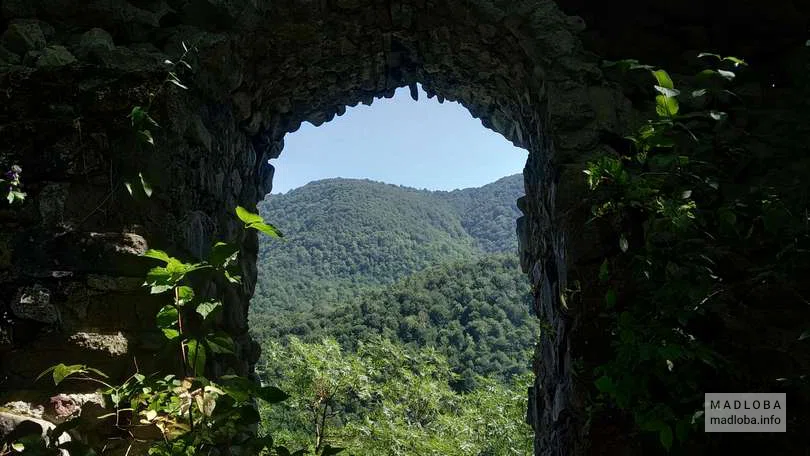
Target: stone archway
pixel 71 289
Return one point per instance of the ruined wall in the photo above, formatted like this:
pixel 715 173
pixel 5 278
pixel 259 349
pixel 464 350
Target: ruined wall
pixel 71 70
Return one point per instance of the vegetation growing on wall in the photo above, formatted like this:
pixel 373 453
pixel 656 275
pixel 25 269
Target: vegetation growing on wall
pixel 701 247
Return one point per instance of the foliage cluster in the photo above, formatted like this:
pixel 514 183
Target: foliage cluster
pixel 475 312
pixel 699 244
pixel 386 400
pixel 187 414
pixel 348 236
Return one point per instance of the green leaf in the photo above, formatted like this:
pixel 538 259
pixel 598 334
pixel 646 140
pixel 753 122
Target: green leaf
pixel 233 278
pixel 709 54
pixel 736 61
pixel 248 217
pixel 663 79
pixel 610 298
pixel 220 343
pixel 605 385
pixel 196 357
pixel 665 435
pixel 729 75
pixel 137 115
pixel 185 294
pixel 62 371
pixel 623 244
pixel 666 106
pixel 805 335
pixel 147 189
pixel 170 333
pixel 682 430
pixel 604 272
pixel 167 317
pixel 267 229
pixel 271 394
pixel 718 115
pixel 174 80
pixel 158 255
pixel 206 308
pixel 667 92
pixel 223 254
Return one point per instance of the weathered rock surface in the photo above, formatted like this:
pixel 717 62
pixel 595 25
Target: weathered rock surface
pixel 71 71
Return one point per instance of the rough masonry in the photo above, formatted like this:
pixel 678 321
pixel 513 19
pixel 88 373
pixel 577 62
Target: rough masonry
pixel 71 70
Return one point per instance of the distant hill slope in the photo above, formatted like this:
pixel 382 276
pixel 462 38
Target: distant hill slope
pixel 476 312
pixel 345 236
pixel 488 213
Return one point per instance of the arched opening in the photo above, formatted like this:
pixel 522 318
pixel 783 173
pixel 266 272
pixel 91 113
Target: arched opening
pixel 406 245
pixel 263 69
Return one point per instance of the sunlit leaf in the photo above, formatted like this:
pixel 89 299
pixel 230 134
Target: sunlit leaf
pixel 709 54
pixel 170 333
pixel 666 106
pixel 727 74
pixel 207 308
pixel 267 229
pixel 668 92
pixel 185 294
pixel 167 317
pixel 248 217
pixel 663 79
pixel 147 189
pixel 157 254
pixel 196 356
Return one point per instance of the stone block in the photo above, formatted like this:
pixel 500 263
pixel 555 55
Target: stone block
pixel 34 303
pixel 23 37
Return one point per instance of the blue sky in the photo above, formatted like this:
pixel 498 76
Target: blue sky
pixel 420 144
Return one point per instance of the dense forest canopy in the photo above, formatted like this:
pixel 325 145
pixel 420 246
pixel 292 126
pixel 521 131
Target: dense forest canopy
pixel 399 317
pixel 345 235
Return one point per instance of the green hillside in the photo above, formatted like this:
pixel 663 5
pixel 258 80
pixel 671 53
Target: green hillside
pixel 345 236
pixel 475 312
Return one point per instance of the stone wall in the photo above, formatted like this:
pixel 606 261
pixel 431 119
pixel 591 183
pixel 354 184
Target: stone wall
pixel 70 71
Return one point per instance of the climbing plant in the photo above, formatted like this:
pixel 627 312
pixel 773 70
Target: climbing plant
pixel 188 412
pixel 11 180
pixel 679 222
pixel 193 413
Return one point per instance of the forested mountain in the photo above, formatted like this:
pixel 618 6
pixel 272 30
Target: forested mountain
pixel 475 313
pixel 387 304
pixel 346 235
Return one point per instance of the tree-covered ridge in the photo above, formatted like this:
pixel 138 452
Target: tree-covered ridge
pixel 346 235
pixel 475 312
pixel 488 213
